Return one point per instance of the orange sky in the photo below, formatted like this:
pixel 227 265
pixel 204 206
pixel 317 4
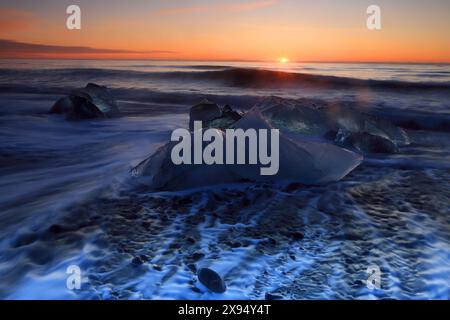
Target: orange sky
pixel 412 31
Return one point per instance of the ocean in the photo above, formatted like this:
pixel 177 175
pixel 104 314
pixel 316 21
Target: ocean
pixel 66 198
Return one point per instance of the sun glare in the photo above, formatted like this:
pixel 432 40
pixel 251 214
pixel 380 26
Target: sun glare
pixel 284 60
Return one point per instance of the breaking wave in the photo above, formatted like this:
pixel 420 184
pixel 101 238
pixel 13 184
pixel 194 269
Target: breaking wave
pixel 230 76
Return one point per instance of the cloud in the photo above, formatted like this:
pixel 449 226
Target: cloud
pixel 13 47
pixel 229 7
pixel 12 19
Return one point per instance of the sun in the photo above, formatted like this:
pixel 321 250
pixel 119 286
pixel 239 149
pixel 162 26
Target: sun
pixel 284 60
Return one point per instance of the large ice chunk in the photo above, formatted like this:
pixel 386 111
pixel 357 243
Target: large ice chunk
pixel 290 116
pixel 363 132
pixel 93 101
pixel 301 160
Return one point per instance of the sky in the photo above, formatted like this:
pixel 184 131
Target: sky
pixel 243 30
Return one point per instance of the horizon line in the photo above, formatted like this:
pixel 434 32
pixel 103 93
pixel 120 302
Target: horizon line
pixel 230 60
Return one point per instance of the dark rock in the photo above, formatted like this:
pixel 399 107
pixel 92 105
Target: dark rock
pixel 366 142
pixel 226 120
pixel 330 134
pixel 235 244
pixel 157 267
pixel 175 245
pixel 190 240
pixel 211 115
pixel 211 280
pixel 76 108
pixel 63 105
pixel 93 101
pixel 297 236
pixel 293 187
pixel 353 236
pixel 359 283
pixel 146 224
pixel 270 296
pixel 229 113
pixel 56 229
pixel 227 109
pixel 245 202
pixel 297 117
pixel 197 256
pixel 184 201
pixel 192 267
pixel 137 261
pixel 102 98
pixel 205 111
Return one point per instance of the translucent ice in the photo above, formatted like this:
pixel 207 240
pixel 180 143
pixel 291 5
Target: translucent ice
pixel 300 160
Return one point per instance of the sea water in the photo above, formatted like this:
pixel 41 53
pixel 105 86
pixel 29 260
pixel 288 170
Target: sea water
pixel 66 200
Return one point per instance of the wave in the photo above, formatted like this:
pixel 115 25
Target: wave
pixel 161 88
pixel 191 67
pixel 416 120
pixel 241 101
pixel 230 76
pixel 269 78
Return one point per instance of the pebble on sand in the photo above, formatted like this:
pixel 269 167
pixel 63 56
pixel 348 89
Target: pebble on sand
pixel 211 280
